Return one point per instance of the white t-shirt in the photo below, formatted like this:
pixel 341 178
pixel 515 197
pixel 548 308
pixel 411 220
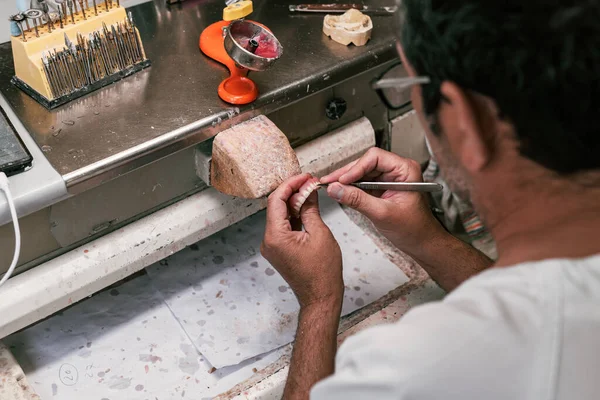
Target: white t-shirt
pixel 530 331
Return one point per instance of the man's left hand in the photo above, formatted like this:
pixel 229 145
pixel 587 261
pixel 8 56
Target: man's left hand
pixel 310 260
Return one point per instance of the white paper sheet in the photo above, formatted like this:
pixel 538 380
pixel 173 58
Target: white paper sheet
pixel 234 305
pixel 122 344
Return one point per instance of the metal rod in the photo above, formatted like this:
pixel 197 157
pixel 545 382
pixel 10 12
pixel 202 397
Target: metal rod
pixel 49 23
pixel 82 9
pixel 397 186
pixel 70 3
pixel 138 45
pixel 18 19
pixel 22 31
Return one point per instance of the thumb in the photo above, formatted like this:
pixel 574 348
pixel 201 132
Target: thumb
pixel 372 207
pixel 310 215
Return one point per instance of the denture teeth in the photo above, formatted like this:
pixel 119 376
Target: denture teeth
pixel 304 195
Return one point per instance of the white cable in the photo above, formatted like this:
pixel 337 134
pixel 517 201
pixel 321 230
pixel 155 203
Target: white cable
pixel 4 186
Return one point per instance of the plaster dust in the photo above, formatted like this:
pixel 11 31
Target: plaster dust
pixel 234 305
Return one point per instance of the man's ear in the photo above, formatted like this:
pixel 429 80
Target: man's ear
pixel 467 138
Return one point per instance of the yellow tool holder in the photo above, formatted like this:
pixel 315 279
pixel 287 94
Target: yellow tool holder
pixel 28 51
pixel 238 10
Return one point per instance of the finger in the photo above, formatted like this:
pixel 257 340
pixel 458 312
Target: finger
pixel 372 207
pixel 375 160
pixel 384 163
pixel 375 193
pixel 310 214
pixel 277 208
pixel 408 170
pixel 335 175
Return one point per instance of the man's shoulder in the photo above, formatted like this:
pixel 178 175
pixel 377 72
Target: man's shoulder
pixel 504 321
pixel 437 349
pixel 479 323
pixel 532 283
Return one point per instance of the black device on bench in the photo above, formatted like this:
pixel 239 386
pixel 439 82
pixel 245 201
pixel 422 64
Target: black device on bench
pixel 14 157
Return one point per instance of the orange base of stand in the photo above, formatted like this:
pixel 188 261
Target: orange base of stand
pixel 238 88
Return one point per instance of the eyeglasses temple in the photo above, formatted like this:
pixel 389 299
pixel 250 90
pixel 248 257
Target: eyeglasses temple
pixel 400 83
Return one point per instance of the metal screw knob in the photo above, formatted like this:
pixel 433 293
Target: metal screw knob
pixel 336 109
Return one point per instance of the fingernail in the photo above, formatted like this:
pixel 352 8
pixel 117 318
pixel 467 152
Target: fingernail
pixel 336 191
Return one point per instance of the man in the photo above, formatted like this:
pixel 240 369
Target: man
pixel 512 114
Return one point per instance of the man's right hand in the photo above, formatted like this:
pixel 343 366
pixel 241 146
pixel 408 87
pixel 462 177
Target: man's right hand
pixel 405 218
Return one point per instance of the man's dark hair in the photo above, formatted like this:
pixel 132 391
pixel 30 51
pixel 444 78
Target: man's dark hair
pixel 539 60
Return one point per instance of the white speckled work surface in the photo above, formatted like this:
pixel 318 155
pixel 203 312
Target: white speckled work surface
pixel 221 313
pixel 234 305
pixel 122 344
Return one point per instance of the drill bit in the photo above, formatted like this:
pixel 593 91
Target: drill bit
pixel 111 48
pixel 104 55
pixel 95 8
pixel 72 65
pixel 120 46
pixel 82 9
pixel 131 40
pixel 54 77
pixel 126 44
pixel 43 6
pixel 47 72
pixel 52 82
pixel 68 65
pixel 53 17
pixel 54 70
pixel 68 44
pixel 61 11
pixel 136 37
pixel 56 73
pixel 18 18
pixel 70 4
pixel 33 15
pixel 45 10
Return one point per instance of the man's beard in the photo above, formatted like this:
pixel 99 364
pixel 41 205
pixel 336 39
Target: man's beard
pixel 450 170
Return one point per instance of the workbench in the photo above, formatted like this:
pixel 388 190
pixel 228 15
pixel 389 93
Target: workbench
pixel 114 187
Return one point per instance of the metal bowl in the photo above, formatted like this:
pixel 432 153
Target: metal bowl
pixel 252 46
